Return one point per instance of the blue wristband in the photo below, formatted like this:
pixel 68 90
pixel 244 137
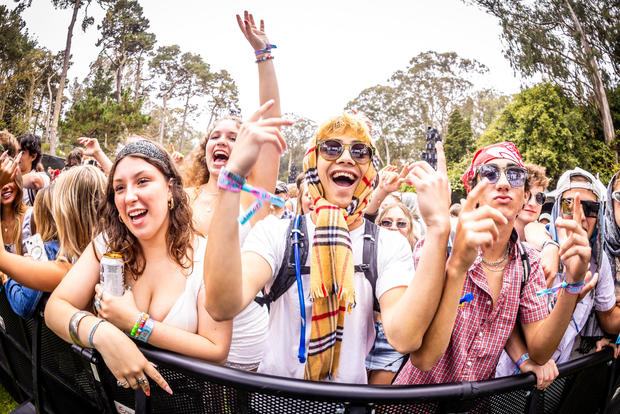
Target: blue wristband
pixel 92 332
pixel 521 360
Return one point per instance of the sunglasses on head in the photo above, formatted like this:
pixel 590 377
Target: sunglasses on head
pixel 540 198
pixel 332 149
pixel 616 195
pixel 389 223
pixel 515 175
pixel 590 208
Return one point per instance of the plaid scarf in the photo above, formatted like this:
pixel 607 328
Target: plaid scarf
pixel 331 269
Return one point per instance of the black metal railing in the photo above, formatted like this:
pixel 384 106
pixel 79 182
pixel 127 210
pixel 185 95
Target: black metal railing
pixel 57 377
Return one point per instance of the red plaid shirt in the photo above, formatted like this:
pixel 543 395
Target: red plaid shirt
pixel 480 331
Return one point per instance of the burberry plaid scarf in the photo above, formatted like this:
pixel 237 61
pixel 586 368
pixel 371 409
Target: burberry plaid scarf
pixel 331 268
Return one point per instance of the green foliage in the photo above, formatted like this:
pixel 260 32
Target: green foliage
pixel 297 137
pixel 550 130
pixel 105 120
pixel 458 141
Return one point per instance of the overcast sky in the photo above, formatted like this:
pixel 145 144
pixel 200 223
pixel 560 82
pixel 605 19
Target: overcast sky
pixel 327 52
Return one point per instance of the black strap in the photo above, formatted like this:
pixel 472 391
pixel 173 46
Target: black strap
pixel 286 275
pixel 525 262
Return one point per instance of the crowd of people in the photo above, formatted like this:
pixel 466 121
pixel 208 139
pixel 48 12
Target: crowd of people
pixel 337 277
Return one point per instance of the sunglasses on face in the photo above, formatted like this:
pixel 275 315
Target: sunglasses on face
pixel 590 208
pixel 389 223
pixel 332 149
pixel 616 196
pixel 540 198
pixel 515 175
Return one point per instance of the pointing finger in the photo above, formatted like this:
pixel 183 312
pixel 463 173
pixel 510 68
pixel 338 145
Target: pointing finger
pixel 473 198
pixel 441 158
pixel 261 111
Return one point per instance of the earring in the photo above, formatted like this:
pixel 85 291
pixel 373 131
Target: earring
pixel 171 204
pixel 120 219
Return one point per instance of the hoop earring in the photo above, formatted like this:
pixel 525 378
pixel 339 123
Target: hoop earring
pixel 171 204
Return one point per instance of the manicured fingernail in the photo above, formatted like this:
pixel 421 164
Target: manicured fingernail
pixel 154 365
pixel 148 393
pixel 168 390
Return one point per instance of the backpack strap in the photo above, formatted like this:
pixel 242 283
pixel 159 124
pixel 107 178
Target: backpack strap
pixel 286 275
pixel 525 262
pixel 369 259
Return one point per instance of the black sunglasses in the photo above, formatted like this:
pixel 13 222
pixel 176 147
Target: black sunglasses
pixel 389 224
pixel 332 149
pixel 540 198
pixel 590 208
pixel 616 196
pixel 515 175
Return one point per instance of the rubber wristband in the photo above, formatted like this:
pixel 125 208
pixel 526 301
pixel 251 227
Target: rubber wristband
pixel 92 332
pixel 521 360
pixel 146 331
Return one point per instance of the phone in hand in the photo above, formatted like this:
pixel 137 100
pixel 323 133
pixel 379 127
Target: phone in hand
pixel 35 248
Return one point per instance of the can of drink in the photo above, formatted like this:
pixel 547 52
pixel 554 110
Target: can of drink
pixel 111 274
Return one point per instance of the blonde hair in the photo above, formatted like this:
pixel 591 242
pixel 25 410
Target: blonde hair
pixel 42 214
pixel 77 195
pixel 412 234
pixel 348 124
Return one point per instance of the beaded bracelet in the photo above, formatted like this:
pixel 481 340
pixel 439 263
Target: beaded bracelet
pixel 263 59
pixel 267 49
pixel 141 319
pixel 146 330
pixel 521 360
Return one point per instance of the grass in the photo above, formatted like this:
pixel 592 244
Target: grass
pixel 7 403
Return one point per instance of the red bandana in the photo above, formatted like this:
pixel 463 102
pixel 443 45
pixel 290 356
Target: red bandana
pixel 504 150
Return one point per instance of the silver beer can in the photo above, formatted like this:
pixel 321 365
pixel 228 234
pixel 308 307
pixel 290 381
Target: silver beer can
pixel 111 274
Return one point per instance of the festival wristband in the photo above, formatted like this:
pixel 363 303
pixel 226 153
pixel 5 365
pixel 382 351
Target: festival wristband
pixel 267 49
pixel 521 360
pixel 618 340
pixel 249 213
pixel 146 330
pixel 575 288
pixel 136 326
pixel 230 181
pixel 264 195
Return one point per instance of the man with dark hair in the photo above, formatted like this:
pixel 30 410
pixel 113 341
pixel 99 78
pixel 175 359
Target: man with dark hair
pixel 29 164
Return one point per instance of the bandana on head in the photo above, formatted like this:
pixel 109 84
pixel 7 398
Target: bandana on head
pixel 331 269
pixel 503 150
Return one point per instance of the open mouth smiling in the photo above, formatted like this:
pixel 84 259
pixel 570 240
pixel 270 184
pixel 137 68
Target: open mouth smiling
pixel 344 178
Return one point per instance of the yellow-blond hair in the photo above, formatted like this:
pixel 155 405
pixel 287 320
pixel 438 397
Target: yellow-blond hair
pixel 77 195
pixel 346 124
pixel 42 214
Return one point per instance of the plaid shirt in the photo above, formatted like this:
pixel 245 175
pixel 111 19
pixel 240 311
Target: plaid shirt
pixel 480 331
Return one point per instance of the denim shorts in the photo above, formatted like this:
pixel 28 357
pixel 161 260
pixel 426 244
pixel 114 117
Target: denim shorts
pixel 382 356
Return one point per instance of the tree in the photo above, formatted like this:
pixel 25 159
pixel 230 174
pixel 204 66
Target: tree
pixel 297 138
pixel 482 108
pixel 124 36
pixel 223 96
pixel 167 65
pixel 458 141
pixel 573 44
pixel 550 130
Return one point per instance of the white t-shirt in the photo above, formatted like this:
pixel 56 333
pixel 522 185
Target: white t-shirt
pixel 28 194
pixel 395 268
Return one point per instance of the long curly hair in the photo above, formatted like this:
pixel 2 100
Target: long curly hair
pixel 197 172
pixel 179 235
pixel 19 209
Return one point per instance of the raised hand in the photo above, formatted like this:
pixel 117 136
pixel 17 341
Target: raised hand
pixel 8 168
pixel 176 156
pixel 476 227
pixel 253 134
pixel 575 248
pixel 433 189
pixel 255 35
pixel 91 146
pixel 390 180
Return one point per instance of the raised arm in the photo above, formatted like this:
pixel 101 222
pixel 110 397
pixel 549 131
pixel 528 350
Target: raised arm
pixel 476 227
pixel 93 149
pixel 389 181
pixel 265 173
pixel 408 312
pixel 230 283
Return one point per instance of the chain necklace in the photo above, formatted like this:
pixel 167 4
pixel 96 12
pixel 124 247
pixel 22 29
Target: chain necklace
pixel 496 265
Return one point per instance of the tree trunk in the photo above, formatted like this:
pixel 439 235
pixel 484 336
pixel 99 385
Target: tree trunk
pixel 61 84
pixel 29 105
pixel 162 122
pixel 138 79
pixel 49 108
pixel 182 141
pixel 36 119
pixel 119 77
pixel 595 74
pixel 387 150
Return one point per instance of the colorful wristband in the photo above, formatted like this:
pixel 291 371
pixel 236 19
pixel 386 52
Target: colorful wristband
pixel 521 360
pixel 263 59
pixel 136 326
pixel 575 288
pixel 267 49
pixel 146 330
pixel 230 181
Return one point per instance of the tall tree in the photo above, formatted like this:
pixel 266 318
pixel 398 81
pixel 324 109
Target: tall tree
pixel 572 43
pixel 458 141
pixel 297 137
pixel 168 67
pixel 223 96
pixel 197 77
pixel 124 36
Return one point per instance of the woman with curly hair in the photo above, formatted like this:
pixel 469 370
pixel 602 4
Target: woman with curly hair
pixel 146 219
pixel 213 152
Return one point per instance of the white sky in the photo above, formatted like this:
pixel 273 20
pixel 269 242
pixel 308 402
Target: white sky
pixel 327 53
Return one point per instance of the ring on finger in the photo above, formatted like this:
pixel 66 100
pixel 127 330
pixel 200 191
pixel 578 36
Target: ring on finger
pixel 121 384
pixel 142 380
